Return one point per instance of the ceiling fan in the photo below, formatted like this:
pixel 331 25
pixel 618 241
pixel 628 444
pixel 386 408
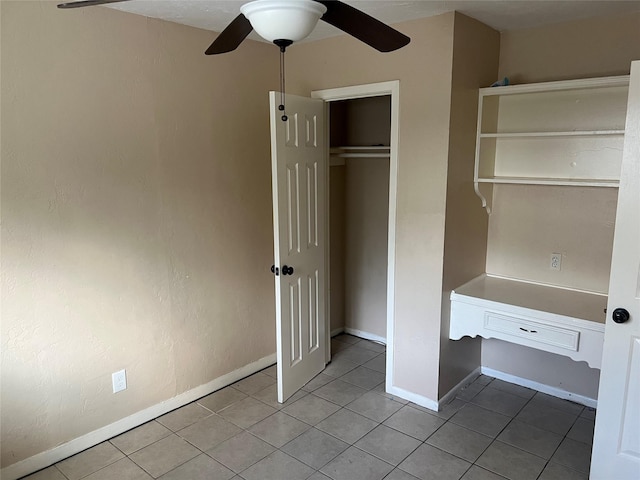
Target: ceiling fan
pixel 286 21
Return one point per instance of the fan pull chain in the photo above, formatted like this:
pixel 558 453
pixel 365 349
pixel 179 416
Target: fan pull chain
pixel 282 86
pixel 282 44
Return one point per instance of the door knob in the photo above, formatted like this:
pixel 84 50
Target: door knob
pixel 275 270
pixel 286 270
pixel 620 315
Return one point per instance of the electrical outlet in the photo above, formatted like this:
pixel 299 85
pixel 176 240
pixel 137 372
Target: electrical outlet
pixel 119 381
pixel 556 261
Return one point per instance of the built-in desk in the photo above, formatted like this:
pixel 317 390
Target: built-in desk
pixel 558 320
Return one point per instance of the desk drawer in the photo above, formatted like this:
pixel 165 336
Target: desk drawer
pixel 532 331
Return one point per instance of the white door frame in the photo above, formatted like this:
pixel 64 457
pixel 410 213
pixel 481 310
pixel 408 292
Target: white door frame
pixel 391 88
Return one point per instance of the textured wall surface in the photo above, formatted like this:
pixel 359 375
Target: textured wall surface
pixel 336 247
pixel 530 222
pixel 136 221
pixel 366 252
pixel 475 64
pixel 594 47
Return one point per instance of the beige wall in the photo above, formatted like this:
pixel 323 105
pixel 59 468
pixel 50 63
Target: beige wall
pixel 424 71
pixel 361 121
pixel 529 223
pixel 594 47
pixel 336 247
pixel 475 64
pixel 136 222
pixel 537 366
pixel 366 246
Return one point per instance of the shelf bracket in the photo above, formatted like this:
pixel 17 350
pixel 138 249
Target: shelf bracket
pixel 486 197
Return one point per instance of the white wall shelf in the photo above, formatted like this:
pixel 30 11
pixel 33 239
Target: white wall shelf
pixel 574 133
pixel 558 320
pixel 567 182
pixel 567 133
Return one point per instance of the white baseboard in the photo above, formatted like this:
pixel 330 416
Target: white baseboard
pixel 412 397
pixel 450 395
pixel 365 335
pixel 77 445
pixel 541 387
pixel 337 331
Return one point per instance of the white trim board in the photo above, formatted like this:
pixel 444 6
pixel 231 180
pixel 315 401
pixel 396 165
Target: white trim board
pixel 365 335
pixel 337 331
pixel 523 382
pixel 541 387
pixel 77 445
pixel 451 394
pixel 412 397
pixel 358 333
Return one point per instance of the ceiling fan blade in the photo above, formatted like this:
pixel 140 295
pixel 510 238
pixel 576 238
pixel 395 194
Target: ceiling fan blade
pixel 231 37
pixel 87 3
pixel 363 27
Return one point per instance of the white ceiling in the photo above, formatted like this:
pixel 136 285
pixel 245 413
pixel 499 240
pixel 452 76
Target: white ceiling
pixel 502 15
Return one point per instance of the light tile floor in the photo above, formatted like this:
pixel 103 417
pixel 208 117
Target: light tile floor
pixel 343 426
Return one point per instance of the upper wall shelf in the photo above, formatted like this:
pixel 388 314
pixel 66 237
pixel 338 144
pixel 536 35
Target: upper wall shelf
pixel 574 133
pixel 567 133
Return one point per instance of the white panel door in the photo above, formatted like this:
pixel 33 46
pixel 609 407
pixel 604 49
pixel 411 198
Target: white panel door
pixel 616 448
pixel 299 177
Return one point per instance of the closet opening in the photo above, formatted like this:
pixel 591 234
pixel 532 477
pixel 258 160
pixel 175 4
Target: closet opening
pixel 362 116
pixel 359 167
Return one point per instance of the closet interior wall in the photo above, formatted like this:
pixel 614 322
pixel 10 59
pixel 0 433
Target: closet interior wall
pixel 359 217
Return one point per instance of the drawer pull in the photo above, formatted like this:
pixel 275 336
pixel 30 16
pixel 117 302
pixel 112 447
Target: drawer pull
pixel 528 331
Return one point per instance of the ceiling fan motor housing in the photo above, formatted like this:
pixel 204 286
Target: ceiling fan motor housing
pixel 283 19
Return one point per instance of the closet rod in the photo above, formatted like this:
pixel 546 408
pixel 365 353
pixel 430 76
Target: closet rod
pixel 361 155
pixel 362 147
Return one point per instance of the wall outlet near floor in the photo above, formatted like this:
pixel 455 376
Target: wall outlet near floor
pixel 556 261
pixel 119 381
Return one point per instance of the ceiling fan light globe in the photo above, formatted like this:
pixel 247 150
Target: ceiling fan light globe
pixel 283 19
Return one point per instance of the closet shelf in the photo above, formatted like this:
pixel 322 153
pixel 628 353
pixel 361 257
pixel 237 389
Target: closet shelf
pixel 377 151
pixel 362 147
pixel 361 155
pixel 584 83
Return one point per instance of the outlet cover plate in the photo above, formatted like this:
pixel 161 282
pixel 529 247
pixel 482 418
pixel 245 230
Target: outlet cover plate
pixel 119 381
